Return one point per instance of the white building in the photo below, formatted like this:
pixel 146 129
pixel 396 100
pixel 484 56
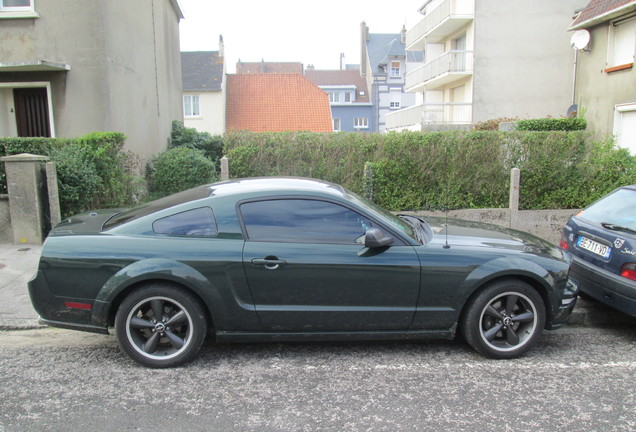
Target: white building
pixel 487 60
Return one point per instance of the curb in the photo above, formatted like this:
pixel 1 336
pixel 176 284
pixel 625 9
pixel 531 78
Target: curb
pixel 20 324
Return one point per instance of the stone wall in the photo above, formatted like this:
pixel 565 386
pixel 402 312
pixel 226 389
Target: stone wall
pixel 546 224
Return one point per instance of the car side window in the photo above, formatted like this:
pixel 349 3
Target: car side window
pixel 303 221
pixel 198 222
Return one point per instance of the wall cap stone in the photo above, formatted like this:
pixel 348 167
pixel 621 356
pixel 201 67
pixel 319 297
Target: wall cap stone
pixel 24 157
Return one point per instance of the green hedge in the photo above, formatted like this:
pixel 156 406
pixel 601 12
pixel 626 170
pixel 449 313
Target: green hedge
pixel 552 124
pixel 179 169
pixel 435 170
pixel 93 170
pixel 210 145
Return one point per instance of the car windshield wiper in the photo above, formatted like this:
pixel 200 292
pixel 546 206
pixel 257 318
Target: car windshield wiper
pixel 614 227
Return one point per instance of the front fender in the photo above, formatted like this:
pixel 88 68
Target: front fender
pixel 502 267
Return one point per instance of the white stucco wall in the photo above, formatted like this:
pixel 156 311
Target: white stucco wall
pixel 212 118
pixel 523 58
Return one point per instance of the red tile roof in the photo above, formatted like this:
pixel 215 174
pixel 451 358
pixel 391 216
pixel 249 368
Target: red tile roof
pixel 341 77
pixel 276 103
pixel 598 11
pixel 268 67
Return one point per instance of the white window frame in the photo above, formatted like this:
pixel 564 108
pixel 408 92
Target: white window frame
pixel 612 58
pixel 334 97
pixel 395 71
pixel 361 123
pixel 18 11
pixel 396 98
pixel 191 106
pixel 337 123
pixel 618 119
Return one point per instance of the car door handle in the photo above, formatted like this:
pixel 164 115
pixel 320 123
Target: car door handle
pixel 270 263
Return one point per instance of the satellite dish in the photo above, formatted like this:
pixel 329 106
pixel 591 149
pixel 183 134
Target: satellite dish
pixel 573 111
pixel 580 39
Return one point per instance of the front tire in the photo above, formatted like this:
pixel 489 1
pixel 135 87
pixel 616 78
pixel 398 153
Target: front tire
pixel 161 326
pixel 504 320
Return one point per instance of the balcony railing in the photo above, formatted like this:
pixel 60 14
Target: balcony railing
pixel 443 68
pixel 442 21
pixel 418 116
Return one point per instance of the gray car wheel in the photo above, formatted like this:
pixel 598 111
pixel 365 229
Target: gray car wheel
pixel 504 320
pixel 160 326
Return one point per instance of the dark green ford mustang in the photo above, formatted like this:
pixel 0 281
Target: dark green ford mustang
pixel 283 259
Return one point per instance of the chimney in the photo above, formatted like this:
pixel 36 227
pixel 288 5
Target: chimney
pixel 364 38
pixel 221 47
pixel 403 35
pixel 343 64
pixel 310 67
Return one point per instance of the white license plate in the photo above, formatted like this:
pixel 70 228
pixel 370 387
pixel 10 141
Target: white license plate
pixel 594 247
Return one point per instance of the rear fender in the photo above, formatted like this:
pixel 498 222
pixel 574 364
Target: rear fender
pixel 160 269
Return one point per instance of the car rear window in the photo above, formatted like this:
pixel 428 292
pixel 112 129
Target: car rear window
pixel 618 208
pixel 199 222
pixel 157 205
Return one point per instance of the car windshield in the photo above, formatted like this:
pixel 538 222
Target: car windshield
pixel 616 211
pixel 397 223
pixel 157 205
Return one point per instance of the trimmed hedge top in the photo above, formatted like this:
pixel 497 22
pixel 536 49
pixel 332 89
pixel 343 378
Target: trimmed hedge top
pixel 552 124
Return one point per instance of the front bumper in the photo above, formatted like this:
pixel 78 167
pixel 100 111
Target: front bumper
pixel 606 287
pixel 566 304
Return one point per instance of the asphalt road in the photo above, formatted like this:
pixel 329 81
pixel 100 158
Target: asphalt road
pixel 576 379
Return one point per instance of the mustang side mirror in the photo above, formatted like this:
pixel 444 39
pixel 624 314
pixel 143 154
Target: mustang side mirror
pixel 375 238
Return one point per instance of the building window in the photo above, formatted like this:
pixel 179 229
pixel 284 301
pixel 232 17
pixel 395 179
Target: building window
pixel 347 97
pixel 396 97
pixel 17 9
pixel 395 69
pixel 336 125
pixel 334 97
pixel 625 126
pixel 361 123
pixel 622 42
pixel 15 5
pixel 191 106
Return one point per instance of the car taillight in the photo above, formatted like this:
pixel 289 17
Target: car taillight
pixel 629 271
pixel 563 244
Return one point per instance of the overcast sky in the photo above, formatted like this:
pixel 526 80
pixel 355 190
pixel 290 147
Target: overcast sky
pixel 290 30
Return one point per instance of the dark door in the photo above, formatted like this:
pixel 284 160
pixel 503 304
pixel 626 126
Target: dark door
pixel 308 270
pixel 32 112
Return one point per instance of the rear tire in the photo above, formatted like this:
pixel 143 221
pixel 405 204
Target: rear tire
pixel 161 326
pixel 504 320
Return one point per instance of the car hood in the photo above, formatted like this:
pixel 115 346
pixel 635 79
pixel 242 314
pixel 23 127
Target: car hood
pixel 84 223
pixel 476 234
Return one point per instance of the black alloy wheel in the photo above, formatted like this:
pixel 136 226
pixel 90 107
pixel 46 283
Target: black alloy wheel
pixel 504 320
pixel 161 326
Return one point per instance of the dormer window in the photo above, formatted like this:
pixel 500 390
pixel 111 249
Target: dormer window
pixel 395 69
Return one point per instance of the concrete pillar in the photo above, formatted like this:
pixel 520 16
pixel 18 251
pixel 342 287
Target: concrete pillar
pixel 55 213
pixel 515 178
pixel 225 168
pixel 28 201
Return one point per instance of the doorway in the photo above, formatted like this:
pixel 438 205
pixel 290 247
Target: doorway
pixel 32 112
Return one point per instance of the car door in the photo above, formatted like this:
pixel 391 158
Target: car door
pixel 309 271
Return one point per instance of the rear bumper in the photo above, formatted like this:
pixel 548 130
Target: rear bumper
pixel 56 312
pixel 608 288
